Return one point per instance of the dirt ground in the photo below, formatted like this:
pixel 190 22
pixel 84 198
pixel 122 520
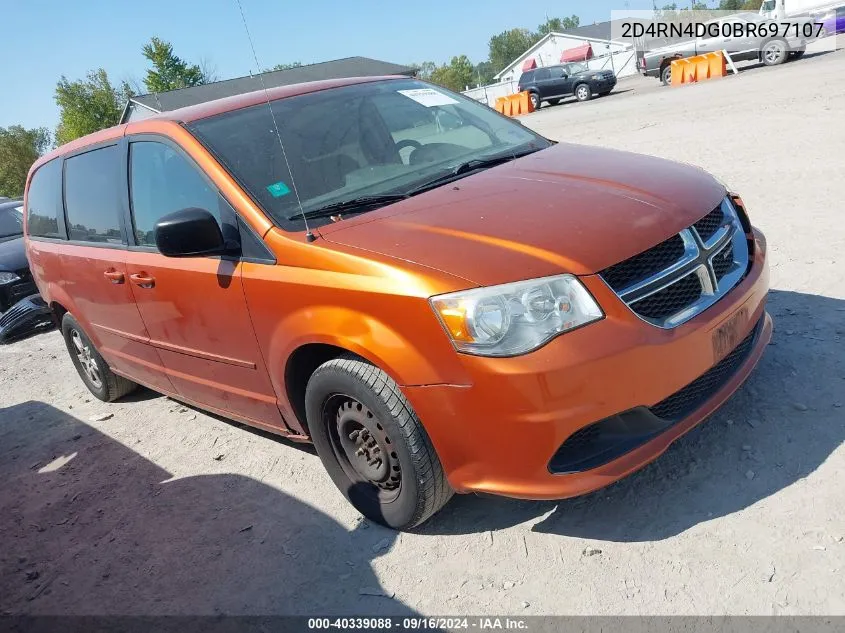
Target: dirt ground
pixel 151 507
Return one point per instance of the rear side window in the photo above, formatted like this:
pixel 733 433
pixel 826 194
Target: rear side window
pixel 92 196
pixel 43 201
pixel 162 181
pixel 541 74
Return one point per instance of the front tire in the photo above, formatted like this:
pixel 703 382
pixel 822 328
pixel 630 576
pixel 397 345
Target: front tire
pixel 91 367
pixel 775 52
pixel 583 92
pixel 373 445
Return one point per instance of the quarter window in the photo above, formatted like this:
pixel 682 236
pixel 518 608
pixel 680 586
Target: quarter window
pixel 92 196
pixel 162 181
pixel 43 200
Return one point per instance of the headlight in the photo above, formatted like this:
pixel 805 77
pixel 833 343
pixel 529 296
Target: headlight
pixel 596 77
pixel 7 277
pixel 515 318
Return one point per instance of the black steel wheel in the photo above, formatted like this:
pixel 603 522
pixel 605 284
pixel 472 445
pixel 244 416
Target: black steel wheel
pixel 362 446
pixel 373 445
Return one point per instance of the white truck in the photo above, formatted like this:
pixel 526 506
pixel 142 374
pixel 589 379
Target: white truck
pixel 781 9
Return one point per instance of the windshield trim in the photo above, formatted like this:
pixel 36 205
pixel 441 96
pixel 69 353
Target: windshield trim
pixel 276 220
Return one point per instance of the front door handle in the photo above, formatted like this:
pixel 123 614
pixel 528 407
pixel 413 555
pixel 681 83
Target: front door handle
pixel 114 276
pixel 143 280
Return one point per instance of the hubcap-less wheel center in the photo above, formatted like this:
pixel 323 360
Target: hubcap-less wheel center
pixel 366 445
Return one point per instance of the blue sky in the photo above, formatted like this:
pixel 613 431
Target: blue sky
pixel 44 39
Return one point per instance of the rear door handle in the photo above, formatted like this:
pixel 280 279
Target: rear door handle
pixel 143 280
pixel 114 276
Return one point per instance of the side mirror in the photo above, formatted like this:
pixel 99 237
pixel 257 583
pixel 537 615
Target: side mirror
pixel 189 232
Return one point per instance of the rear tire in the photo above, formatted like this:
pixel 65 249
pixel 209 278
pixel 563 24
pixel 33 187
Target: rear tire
pixel 774 52
pixel 373 445
pixel 583 92
pixel 94 371
pixel 535 100
pixel 666 75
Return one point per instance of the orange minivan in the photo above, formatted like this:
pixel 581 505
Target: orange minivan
pixel 440 299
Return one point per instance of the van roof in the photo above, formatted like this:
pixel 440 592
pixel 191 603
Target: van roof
pixel 211 108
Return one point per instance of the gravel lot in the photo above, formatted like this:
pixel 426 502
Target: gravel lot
pixel 151 507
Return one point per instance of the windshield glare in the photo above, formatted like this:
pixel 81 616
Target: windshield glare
pixel 369 139
pixel 576 67
pixel 11 221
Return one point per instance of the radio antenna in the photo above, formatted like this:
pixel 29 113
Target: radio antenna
pixel 308 234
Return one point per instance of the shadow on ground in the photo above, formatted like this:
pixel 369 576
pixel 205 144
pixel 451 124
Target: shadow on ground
pixel 705 474
pixel 91 527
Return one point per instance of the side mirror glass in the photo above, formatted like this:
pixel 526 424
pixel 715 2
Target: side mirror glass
pixel 189 232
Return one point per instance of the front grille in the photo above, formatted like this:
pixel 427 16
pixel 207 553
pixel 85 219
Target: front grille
pixel 707 226
pixel 644 265
pixel 683 402
pixel 682 276
pixel 723 261
pixel 670 300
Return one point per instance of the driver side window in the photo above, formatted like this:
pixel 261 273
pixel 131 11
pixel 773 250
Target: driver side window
pixel 162 181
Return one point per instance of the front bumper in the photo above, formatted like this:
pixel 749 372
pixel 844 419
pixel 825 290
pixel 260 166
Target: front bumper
pixel 500 434
pixel 605 85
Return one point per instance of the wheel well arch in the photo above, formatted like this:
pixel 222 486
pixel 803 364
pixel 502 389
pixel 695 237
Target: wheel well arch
pixel 668 60
pixel 300 365
pixel 59 312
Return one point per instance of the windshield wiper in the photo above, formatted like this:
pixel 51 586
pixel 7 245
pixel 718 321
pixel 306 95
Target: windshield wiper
pixel 355 205
pixel 470 166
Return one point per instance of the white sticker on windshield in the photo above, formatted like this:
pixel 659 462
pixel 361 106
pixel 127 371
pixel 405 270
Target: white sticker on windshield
pixel 428 97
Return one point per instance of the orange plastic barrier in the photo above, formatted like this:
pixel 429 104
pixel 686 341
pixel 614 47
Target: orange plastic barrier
pixel 514 105
pixel 692 69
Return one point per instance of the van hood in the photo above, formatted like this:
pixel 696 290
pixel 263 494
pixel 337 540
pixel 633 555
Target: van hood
pixel 569 208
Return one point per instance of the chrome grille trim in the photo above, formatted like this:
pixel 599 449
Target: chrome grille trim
pixel 697 259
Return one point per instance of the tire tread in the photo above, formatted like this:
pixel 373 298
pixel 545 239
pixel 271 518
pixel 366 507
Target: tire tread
pixel 434 488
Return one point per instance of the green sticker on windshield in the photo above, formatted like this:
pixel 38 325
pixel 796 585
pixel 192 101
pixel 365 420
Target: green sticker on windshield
pixel 278 189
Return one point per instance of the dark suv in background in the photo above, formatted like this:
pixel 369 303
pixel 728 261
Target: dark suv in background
pixel 552 83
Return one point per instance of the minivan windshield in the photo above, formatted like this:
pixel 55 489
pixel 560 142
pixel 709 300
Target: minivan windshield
pixel 11 220
pixel 375 141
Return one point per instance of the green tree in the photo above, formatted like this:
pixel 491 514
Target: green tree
pixel 87 105
pixel 752 5
pixel 169 72
pixel 283 67
pixel 424 70
pixel 483 73
pixel 557 25
pixel 507 46
pixel 19 148
pixel 456 75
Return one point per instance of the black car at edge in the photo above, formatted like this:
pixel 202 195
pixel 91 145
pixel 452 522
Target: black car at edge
pixel 15 279
pixel 552 83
